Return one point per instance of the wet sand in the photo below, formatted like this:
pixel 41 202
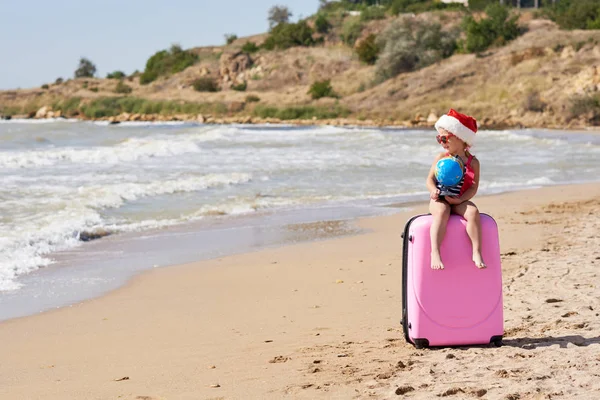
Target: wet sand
pixel 321 320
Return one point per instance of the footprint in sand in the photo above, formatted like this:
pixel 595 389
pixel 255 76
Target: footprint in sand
pixel 403 390
pixel 452 392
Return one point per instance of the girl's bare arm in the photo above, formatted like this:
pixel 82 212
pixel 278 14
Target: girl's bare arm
pixel 431 176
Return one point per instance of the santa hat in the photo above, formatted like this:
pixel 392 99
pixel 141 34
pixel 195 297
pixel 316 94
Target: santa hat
pixel 460 125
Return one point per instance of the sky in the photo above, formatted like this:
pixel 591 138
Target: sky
pixel 41 41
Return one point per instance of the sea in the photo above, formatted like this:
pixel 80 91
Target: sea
pixel 85 206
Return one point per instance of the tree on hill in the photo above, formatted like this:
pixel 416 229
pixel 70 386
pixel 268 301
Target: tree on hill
pixel 321 89
pixel 230 37
pixel 408 44
pixel 116 75
pixel 498 28
pixel 86 69
pixel 284 36
pixel 167 62
pixel 580 14
pixel 279 15
pixel 368 50
pixel 322 25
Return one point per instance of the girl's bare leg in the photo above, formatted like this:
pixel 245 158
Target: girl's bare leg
pixel 468 210
pixel 440 210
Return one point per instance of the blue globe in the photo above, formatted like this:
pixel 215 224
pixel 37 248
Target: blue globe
pixel 449 171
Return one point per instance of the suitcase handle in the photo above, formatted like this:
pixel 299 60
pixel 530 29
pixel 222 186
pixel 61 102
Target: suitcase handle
pixel 410 237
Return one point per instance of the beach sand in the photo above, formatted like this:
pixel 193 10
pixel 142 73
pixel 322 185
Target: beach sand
pixel 321 319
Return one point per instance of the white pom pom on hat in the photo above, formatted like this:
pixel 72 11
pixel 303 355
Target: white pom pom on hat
pixel 461 125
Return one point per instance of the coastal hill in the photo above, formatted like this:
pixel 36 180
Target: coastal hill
pixel 540 79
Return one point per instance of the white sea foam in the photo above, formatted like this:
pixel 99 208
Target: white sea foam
pixel 36 121
pixel 26 242
pixel 139 124
pixel 128 151
pixel 494 187
pixel 117 194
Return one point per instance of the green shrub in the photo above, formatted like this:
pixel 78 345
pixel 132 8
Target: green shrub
pixel 250 47
pixel 94 89
pixel 167 62
pixel 498 28
pixel 368 50
pixel 334 6
pixel 579 14
pixel 418 6
pixel 407 45
pixel 284 36
pixel 399 6
pixel 322 24
pixel 111 106
pixel 371 13
pixel 351 30
pixel 252 99
pixel 205 84
pixel 45 86
pixel 301 112
pixel 122 88
pixel 321 89
pixel 100 108
pixel 69 107
pixel 480 5
pixel 9 111
pixel 230 38
pixel 240 87
pixel 586 106
pixel 59 81
pixel 116 75
pixel 533 102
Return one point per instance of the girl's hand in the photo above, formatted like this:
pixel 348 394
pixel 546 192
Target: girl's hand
pixel 453 200
pixel 435 194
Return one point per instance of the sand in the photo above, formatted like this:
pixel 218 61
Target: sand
pixel 321 320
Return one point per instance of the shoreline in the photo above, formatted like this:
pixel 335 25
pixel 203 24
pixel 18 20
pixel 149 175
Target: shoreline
pixel 417 123
pixel 254 325
pixel 122 257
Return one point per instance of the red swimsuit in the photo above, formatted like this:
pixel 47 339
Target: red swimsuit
pixel 469 176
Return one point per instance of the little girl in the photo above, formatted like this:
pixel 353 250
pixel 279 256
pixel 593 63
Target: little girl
pixel 456 133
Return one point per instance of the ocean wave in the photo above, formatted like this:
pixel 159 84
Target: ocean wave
pixel 127 151
pixel 112 195
pixel 117 194
pixel 36 121
pixel 495 187
pixel 142 123
pixel 26 242
pixel 24 248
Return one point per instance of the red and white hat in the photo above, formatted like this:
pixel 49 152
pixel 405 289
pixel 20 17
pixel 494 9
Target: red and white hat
pixel 460 125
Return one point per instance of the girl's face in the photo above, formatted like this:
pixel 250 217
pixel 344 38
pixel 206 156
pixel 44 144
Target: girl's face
pixel 450 142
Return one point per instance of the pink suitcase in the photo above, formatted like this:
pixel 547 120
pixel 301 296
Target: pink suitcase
pixel 461 304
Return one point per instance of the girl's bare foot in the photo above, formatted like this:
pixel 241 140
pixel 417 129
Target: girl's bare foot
pixel 478 260
pixel 436 260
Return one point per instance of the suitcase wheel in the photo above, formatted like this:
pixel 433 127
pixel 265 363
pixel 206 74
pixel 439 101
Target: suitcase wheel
pixel 497 341
pixel 421 343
